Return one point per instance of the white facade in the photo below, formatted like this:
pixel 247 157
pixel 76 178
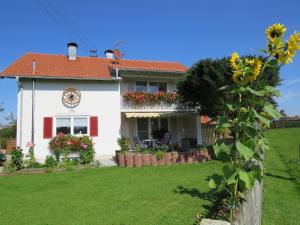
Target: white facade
pixel 98 98
pixel 101 98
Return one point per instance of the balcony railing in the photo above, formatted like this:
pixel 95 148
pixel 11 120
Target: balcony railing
pixel 152 102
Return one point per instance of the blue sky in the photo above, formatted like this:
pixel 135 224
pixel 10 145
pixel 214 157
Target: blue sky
pixel 184 31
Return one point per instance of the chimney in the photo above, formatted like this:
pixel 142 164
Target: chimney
pixel 72 49
pixel 109 54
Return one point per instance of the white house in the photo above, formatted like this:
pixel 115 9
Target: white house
pixel 85 96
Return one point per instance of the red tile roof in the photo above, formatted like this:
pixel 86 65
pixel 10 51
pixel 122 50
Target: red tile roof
pixel 48 65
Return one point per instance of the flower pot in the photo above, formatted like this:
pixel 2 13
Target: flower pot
pixel 168 158
pixel 189 157
pixel 146 159
pixel 153 160
pixel 137 160
pixel 195 156
pixel 129 159
pixel 181 158
pixel 174 157
pixel 120 159
pixel 161 162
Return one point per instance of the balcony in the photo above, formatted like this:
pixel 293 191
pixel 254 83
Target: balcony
pixel 152 102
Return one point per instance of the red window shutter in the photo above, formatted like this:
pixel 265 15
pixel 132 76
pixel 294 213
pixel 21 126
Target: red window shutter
pixel 94 126
pixel 48 127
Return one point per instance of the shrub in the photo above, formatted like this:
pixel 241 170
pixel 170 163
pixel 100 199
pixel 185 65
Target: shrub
pixel 124 143
pixel 95 164
pixel 17 158
pixel 50 161
pixel 159 154
pixel 8 167
pixel 67 143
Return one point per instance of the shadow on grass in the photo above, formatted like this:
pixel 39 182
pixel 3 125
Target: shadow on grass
pixel 212 196
pixel 280 177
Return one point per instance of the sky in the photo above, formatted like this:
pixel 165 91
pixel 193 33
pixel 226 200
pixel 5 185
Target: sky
pixel 163 30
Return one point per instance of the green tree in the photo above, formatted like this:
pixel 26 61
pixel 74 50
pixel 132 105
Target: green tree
pixel 200 86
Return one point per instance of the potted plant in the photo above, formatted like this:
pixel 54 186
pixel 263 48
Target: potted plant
pixel 174 157
pixel 124 144
pixel 153 159
pixel 160 157
pixel 146 158
pixel 137 159
pixel 129 159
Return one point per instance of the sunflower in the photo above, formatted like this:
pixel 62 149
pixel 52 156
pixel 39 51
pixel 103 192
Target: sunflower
pixel 233 60
pixel 257 68
pixel 291 47
pixel 275 31
pixel 239 77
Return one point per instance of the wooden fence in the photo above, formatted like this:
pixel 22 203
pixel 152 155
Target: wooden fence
pixel 285 123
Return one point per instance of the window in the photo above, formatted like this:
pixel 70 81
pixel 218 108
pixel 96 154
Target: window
pixel 142 129
pixel 63 125
pixel 141 86
pixel 147 126
pixel 80 125
pixel 151 87
pixel 72 125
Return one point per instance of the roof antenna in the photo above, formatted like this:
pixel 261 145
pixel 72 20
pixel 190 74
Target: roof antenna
pixel 117 52
pixel 93 53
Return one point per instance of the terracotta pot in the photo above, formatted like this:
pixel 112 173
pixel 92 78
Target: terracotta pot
pixel 189 157
pixel 137 160
pixel 181 158
pixel 129 159
pixel 195 157
pixel 146 159
pixel 121 159
pixel 161 162
pixel 153 160
pixel 174 157
pixel 168 158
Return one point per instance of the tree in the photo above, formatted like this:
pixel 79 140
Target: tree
pixel 1 107
pixel 200 86
pixel 283 113
pixel 11 119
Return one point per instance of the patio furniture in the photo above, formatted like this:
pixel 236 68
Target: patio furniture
pixel 167 138
pixel 137 141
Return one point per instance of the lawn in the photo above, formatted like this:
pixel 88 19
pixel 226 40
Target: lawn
pixel 104 196
pixel 281 185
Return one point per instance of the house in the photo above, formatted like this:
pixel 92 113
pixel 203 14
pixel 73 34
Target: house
pixel 97 97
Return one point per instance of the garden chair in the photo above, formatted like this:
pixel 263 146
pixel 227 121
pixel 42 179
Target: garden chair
pixel 137 141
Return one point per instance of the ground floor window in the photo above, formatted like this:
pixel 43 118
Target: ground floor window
pixel 72 125
pixel 146 128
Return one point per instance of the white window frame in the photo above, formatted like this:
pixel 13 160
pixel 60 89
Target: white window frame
pixel 72 124
pixel 148 84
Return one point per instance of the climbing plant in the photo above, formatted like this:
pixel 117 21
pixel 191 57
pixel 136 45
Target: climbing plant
pixel 246 112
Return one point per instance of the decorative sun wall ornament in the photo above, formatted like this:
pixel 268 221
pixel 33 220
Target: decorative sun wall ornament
pixel 71 97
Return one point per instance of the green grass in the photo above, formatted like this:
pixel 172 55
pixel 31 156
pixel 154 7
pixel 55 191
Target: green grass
pixel 281 184
pixel 163 195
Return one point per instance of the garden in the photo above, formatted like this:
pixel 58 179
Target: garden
pixel 68 152
pixel 241 101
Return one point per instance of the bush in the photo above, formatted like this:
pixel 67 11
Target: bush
pixel 159 154
pixel 68 143
pixel 8 167
pixel 124 143
pixel 17 159
pixel 50 161
pixel 95 164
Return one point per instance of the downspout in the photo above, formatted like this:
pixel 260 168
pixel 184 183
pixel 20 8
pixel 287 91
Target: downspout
pixel 21 111
pixel 32 110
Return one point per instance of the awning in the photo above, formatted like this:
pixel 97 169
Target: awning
pixel 156 114
pixel 143 115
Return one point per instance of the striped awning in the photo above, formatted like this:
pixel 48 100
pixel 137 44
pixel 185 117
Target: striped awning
pixel 143 114
pixel 155 114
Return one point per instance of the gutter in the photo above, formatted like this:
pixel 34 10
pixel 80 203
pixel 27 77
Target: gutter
pixel 32 110
pixel 62 78
pixel 21 110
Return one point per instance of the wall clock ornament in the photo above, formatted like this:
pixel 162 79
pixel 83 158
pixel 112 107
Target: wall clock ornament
pixel 71 97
